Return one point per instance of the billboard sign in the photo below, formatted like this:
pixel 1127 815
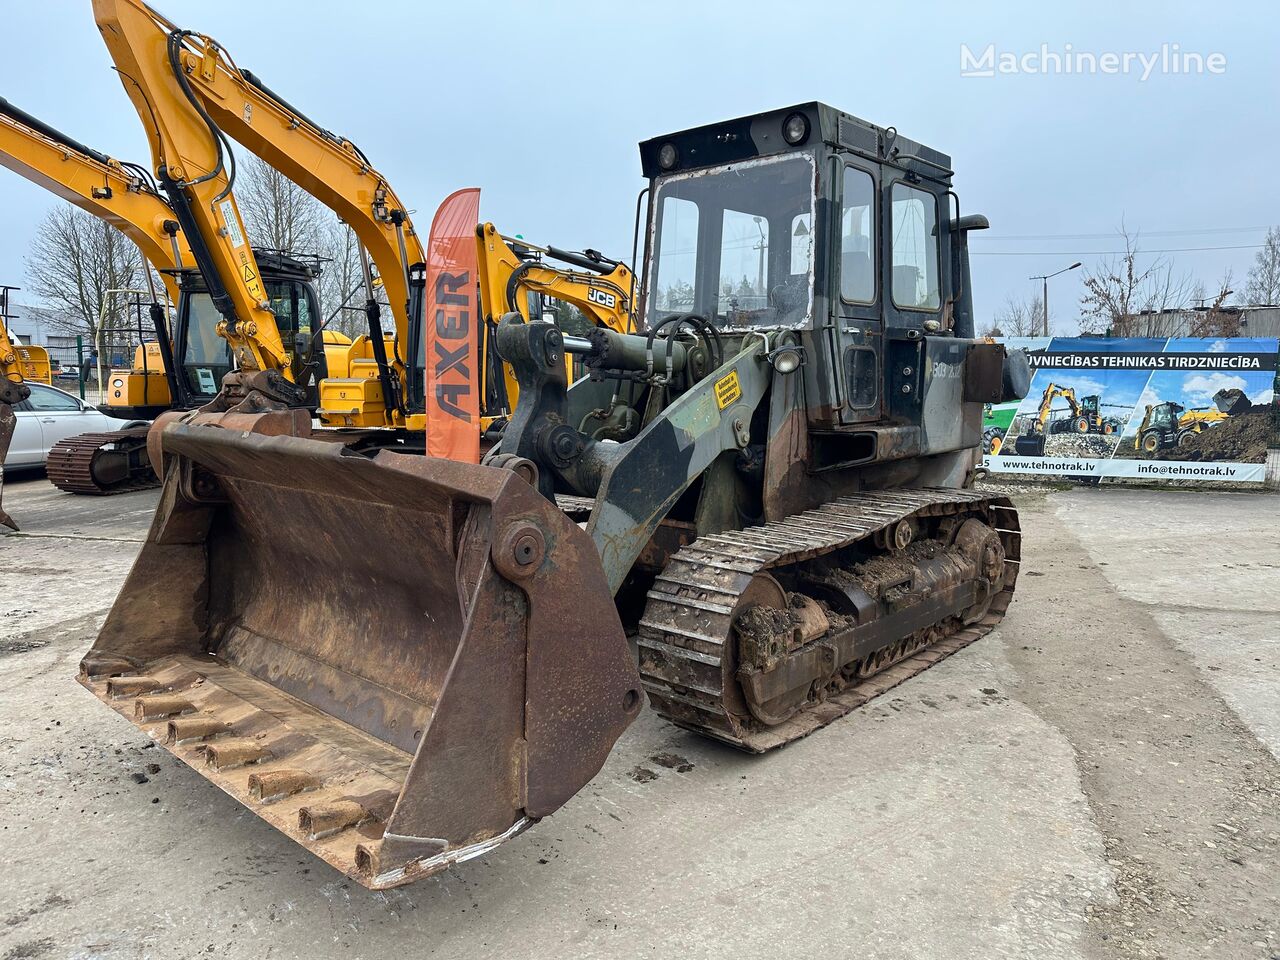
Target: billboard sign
pixel 1177 408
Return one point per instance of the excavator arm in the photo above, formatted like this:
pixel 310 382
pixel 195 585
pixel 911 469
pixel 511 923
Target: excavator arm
pixel 1051 392
pixel 195 169
pixel 118 193
pixel 333 170
pixel 511 269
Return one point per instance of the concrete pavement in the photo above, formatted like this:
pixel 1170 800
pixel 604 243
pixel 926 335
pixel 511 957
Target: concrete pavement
pixel 1091 780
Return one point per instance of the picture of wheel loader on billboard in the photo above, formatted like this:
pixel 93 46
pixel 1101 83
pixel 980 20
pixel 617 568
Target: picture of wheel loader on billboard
pixel 1173 421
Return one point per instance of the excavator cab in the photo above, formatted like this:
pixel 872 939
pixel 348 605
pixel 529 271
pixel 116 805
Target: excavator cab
pixel 203 356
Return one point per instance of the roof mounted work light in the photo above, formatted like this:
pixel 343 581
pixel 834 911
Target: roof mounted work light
pixel 795 129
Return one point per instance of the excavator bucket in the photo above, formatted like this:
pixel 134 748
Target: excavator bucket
pixel 8 421
pixel 398 661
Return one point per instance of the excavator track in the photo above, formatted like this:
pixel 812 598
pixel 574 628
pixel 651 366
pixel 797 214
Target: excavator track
pixel 102 463
pixel 689 656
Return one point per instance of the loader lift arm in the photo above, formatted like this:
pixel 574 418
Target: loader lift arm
pixel 196 171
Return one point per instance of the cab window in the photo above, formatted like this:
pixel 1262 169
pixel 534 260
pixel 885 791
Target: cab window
pixel 857 238
pixel 915 249
pixel 744 254
pixel 677 254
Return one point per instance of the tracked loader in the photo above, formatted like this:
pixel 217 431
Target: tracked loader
pixel 402 662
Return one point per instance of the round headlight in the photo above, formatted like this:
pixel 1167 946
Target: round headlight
pixel 117 383
pixel 786 359
pixel 795 129
pixel 668 156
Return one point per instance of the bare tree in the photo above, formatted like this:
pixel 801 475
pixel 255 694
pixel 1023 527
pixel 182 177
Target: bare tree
pixel 1126 298
pixel 74 260
pixel 278 214
pixel 342 293
pixel 1213 318
pixel 1018 318
pixel 1263 285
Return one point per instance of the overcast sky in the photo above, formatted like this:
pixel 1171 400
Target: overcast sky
pixel 541 105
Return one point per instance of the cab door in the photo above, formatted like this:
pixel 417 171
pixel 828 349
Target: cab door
pixel 856 296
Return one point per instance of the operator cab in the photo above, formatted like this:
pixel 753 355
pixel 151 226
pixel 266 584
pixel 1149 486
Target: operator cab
pixel 811 220
pixel 203 357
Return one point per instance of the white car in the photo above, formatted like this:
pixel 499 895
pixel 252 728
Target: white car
pixel 50 415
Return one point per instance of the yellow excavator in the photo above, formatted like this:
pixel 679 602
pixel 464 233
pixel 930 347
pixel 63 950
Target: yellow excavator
pixel 175 370
pixel 1086 417
pixel 18 364
pixel 190 93
pixel 122 195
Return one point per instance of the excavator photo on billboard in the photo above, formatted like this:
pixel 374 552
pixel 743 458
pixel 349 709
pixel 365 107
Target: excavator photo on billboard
pixel 767 485
pixel 1085 417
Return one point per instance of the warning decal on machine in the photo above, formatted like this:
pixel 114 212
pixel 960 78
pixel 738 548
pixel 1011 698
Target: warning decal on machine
pixel 728 390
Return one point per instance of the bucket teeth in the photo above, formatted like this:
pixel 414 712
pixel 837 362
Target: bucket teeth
pixel 186 729
pixel 160 706
pixel 120 687
pixel 233 753
pixel 269 786
pixel 325 819
pixel 95 666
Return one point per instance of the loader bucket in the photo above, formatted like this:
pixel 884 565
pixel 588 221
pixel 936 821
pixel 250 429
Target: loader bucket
pixel 1232 401
pixel 398 661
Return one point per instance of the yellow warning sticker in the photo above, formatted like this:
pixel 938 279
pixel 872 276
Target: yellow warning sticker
pixel 728 390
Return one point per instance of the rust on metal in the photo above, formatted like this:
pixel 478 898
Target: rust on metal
pixel 323 820
pixel 272 785
pixel 340 624
pixel 223 755
pixel 193 728
pixel 122 687
pixel 160 705
pixel 720 647
pixel 102 463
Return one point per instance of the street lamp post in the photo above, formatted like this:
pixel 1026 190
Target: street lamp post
pixel 1044 300
pixel 762 245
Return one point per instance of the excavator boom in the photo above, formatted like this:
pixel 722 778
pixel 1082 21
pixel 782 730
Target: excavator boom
pixel 511 269
pixel 337 173
pixel 195 168
pixel 120 194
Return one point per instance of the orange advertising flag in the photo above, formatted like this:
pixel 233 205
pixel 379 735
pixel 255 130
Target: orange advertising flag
pixel 452 347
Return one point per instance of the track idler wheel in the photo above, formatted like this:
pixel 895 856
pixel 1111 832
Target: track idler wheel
pixel 982 545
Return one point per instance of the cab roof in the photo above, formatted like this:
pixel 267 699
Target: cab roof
pixel 760 135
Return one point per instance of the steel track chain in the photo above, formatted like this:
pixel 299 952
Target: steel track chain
pixel 685 662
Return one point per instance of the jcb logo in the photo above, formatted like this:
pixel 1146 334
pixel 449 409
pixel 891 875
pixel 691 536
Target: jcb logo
pixel 606 300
